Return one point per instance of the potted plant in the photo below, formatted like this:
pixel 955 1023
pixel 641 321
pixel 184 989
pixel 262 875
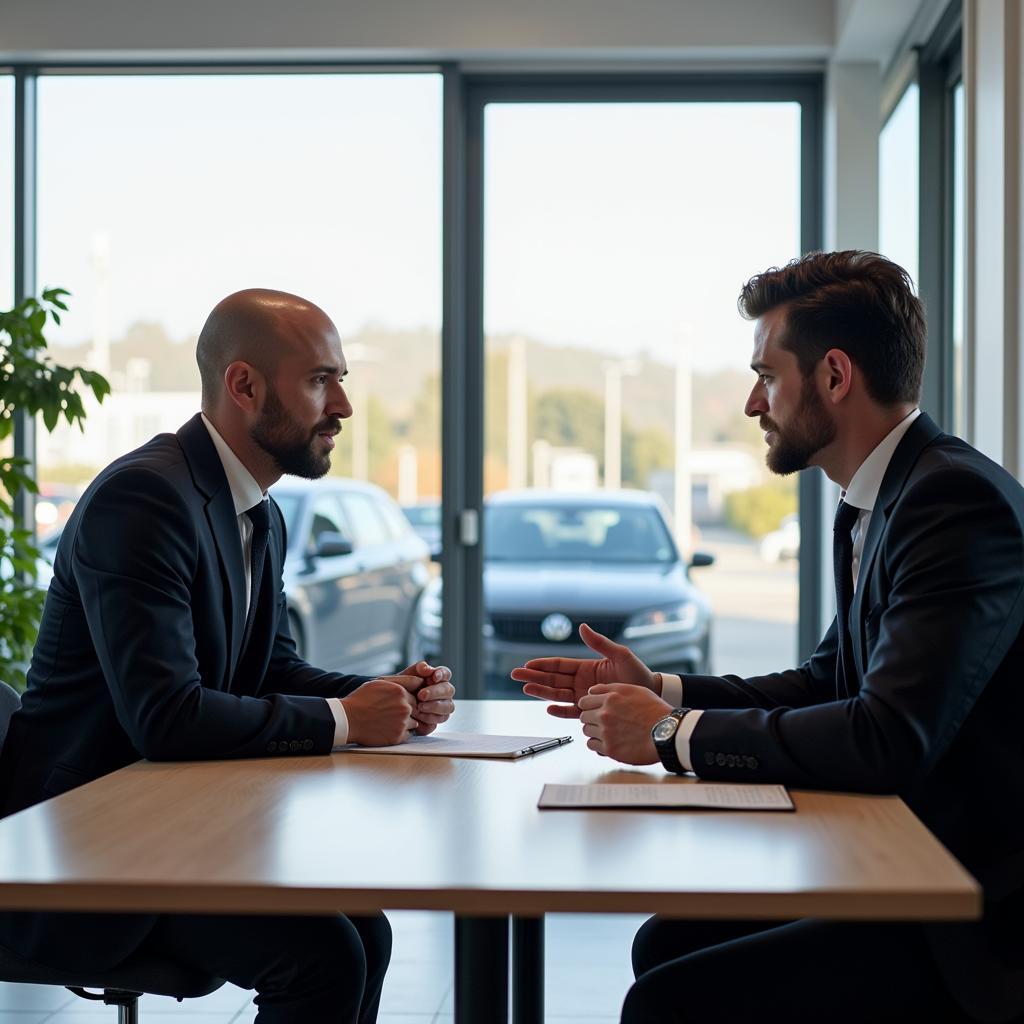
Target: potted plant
pixel 30 382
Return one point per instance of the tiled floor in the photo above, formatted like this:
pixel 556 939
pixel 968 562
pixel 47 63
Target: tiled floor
pixel 586 968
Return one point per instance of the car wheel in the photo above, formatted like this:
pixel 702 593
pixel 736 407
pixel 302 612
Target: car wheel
pixel 411 648
pixel 295 628
pixel 705 658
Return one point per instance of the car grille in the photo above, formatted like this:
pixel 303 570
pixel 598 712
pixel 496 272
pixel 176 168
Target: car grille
pixel 525 629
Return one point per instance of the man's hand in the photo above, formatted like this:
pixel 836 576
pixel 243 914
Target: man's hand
pixel 434 692
pixel 568 679
pixel 618 720
pixel 380 713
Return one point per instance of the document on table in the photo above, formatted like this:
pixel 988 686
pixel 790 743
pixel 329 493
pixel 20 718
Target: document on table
pixel 465 744
pixel 707 795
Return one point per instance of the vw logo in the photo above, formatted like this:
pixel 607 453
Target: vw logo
pixel 556 627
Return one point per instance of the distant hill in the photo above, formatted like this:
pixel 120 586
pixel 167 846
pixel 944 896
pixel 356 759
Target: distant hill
pixel 394 366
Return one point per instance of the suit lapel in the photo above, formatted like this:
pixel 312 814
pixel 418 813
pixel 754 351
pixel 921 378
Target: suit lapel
pixel 919 435
pixel 209 478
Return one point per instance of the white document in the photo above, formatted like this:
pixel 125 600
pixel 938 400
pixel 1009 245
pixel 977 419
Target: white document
pixel 709 795
pixel 465 744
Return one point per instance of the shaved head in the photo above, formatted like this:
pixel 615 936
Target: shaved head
pixel 255 326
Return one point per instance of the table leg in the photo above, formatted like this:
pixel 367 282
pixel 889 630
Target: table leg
pixel 527 970
pixel 481 970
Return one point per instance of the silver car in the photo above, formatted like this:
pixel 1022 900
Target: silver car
pixel 353 574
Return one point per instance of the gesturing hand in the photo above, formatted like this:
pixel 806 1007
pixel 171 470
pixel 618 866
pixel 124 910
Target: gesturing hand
pixel 566 680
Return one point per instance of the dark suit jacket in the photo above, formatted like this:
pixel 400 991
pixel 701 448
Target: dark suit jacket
pixel 139 656
pixel 936 712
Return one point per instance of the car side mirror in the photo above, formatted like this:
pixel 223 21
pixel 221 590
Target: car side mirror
pixel 331 544
pixel 701 559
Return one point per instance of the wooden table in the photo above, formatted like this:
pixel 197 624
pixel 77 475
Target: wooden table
pixel 359 832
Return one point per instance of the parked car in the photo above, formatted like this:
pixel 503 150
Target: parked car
pixel 554 559
pixel 425 517
pixel 782 543
pixel 353 573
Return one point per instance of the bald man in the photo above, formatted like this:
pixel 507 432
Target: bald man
pixel 165 636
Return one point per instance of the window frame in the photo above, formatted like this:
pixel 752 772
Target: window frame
pixel 465 93
pixel 938 70
pixel 462 396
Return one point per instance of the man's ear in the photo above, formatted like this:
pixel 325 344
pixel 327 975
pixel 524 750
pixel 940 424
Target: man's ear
pixel 836 372
pixel 244 385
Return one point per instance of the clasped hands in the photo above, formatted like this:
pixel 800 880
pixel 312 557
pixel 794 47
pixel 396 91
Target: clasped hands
pixel 616 697
pixel 389 709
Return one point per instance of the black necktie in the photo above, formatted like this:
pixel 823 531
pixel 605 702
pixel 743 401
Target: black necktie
pixel 842 557
pixel 259 516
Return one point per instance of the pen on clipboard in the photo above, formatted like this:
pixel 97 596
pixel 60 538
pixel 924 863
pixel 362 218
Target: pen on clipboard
pixel 555 741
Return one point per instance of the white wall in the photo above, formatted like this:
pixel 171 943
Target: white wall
pixel 993 81
pixel 418 28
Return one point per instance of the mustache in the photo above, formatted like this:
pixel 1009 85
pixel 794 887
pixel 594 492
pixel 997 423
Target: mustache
pixel 332 427
pixel 766 424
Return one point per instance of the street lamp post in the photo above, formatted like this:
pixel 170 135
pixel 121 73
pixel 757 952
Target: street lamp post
pixel 614 371
pixel 357 353
pixel 517 412
pixel 683 511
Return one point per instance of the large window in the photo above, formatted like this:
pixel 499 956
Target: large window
pixel 960 408
pixel 6 191
pixel 616 239
pixel 159 195
pixel 898 184
pixel 613 236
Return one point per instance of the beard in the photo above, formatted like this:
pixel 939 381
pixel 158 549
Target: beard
pixel 287 443
pixel 810 430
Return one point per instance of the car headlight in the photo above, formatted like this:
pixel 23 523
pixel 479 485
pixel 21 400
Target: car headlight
pixel 675 618
pixel 429 612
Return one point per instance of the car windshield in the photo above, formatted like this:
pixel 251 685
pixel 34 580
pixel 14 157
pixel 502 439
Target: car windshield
pixel 289 505
pixel 423 515
pixel 593 533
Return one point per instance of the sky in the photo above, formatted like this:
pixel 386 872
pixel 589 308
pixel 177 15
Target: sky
pixel 622 227
pixel 898 188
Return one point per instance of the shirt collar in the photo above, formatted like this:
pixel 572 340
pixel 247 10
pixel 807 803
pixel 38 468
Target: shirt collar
pixel 867 481
pixel 245 492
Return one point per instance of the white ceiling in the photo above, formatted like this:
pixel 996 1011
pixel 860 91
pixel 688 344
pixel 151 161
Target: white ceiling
pixel 556 31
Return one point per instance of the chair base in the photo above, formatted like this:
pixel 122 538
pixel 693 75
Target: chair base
pixel 127 1003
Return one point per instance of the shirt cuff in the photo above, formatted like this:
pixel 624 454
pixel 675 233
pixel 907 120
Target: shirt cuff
pixel 683 734
pixel 340 721
pixel 671 690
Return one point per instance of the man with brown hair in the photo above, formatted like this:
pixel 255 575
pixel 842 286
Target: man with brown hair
pixel 915 688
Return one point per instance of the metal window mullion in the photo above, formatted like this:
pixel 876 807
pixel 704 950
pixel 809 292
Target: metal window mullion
pixel 933 221
pixel 814 567
pixel 25 80
pixel 462 384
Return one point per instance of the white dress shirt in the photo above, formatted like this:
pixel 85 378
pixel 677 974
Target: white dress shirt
pixel 862 493
pixel 245 493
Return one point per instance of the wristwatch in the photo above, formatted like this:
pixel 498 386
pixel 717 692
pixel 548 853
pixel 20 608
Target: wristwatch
pixel 664 736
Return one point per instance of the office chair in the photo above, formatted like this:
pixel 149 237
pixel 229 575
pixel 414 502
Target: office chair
pixel 120 986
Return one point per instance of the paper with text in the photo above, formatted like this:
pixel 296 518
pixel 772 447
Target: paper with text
pixel 465 744
pixel 708 795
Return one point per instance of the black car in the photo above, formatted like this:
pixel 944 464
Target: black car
pixel 553 560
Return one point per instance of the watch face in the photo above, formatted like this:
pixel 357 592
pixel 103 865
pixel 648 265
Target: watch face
pixel 665 729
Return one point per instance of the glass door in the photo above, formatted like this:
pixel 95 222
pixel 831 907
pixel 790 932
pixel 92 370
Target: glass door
pixel 622 484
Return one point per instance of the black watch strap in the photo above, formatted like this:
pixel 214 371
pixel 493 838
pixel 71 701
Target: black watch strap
pixel 666 748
